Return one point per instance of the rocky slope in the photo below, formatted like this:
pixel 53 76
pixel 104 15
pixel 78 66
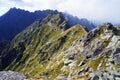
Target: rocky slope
pixel 48 50
pixel 98 52
pixel 10 75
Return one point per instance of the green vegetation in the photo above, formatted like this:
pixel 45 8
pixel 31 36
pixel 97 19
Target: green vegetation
pixel 44 47
pixel 47 49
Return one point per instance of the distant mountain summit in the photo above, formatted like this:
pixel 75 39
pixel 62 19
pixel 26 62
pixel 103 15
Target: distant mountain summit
pixel 73 20
pixel 16 20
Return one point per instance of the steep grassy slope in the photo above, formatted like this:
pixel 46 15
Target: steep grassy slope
pixel 37 48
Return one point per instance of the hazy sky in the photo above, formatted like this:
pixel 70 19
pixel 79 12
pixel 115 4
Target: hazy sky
pixel 103 10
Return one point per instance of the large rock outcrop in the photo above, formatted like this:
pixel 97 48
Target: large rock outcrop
pixel 98 53
pixel 10 75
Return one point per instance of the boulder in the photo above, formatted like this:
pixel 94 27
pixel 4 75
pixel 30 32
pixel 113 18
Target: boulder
pixel 10 75
pixel 61 77
pixel 117 58
pixel 95 77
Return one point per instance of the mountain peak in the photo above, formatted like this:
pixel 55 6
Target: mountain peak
pixel 57 19
pixel 107 25
pixel 16 20
pixel 14 9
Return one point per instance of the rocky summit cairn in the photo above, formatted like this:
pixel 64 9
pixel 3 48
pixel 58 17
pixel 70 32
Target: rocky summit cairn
pixel 10 75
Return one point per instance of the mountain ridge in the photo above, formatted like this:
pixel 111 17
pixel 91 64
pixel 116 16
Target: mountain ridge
pixel 50 49
pixel 50 32
pixel 16 20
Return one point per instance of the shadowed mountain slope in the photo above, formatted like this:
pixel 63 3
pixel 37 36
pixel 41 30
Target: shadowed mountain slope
pixel 16 20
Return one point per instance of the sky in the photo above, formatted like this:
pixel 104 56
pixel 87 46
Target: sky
pixel 98 10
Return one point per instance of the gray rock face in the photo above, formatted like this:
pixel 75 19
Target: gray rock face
pixel 86 40
pixel 10 75
pixel 99 54
pixel 61 77
pixel 101 40
pixel 95 77
pixel 117 58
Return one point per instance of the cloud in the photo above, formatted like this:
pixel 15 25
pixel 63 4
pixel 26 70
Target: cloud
pixel 101 10
pixel 93 9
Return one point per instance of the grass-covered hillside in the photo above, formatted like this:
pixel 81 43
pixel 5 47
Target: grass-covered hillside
pixel 38 48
